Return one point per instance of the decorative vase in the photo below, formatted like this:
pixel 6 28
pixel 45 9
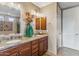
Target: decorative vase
pixel 29 30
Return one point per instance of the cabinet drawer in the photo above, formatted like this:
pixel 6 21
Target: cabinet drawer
pixel 41 39
pixel 24 45
pixel 34 42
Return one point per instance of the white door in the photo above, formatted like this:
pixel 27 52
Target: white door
pixel 71 28
pixel 68 28
pixel 76 40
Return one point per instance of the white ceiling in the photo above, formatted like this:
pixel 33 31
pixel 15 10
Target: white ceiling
pixel 62 4
pixel 68 4
pixel 41 4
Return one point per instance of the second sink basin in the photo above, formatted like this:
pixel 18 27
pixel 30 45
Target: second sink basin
pixel 13 41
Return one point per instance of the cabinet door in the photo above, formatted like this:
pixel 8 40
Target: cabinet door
pixel 35 48
pixel 25 49
pixel 9 52
pixel 41 46
pixel 45 45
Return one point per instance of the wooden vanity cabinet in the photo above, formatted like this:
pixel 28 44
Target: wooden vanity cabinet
pixel 33 48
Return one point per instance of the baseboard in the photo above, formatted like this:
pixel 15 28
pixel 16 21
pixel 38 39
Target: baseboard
pixel 50 53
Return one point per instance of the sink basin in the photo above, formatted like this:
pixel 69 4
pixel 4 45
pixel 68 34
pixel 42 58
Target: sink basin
pixel 37 35
pixel 13 41
pixel 10 44
pixel 1 47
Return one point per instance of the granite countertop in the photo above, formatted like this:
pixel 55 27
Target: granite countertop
pixel 4 45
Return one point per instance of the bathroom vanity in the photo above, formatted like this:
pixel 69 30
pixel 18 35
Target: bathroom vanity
pixel 34 46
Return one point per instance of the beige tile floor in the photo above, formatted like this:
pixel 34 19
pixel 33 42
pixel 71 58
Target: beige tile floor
pixel 65 52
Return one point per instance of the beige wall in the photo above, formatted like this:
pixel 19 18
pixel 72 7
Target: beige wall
pixel 26 7
pixel 50 11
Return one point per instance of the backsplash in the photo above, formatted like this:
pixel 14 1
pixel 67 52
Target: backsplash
pixel 10 37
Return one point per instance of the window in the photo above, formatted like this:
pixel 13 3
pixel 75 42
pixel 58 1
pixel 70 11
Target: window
pixel 6 23
pixel 1 18
pixel 1 22
pixel 11 19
